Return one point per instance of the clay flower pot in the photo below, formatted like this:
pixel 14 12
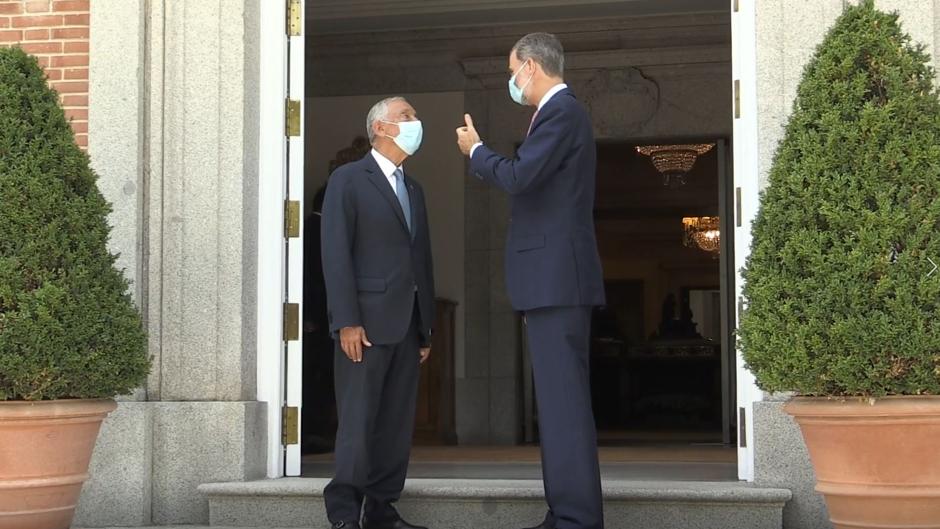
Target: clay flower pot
pixel 877 462
pixel 45 448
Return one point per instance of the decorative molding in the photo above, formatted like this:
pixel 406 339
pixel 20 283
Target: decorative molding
pixel 621 101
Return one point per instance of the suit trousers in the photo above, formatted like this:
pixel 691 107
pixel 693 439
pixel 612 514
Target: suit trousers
pixel 376 401
pixel 559 341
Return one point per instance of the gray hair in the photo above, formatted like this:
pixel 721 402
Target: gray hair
pixel 543 48
pixel 379 112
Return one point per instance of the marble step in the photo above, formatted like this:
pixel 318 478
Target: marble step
pixel 506 504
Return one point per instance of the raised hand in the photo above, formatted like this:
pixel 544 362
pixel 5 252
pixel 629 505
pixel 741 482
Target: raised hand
pixel 467 135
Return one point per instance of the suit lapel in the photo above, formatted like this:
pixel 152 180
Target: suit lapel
pixel 385 189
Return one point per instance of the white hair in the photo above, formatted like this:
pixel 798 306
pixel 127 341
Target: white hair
pixel 379 112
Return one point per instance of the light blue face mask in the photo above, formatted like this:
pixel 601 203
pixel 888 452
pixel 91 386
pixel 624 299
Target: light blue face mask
pixel 410 134
pixel 518 94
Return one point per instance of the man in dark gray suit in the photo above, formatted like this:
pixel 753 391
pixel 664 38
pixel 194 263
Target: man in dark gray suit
pixel 380 298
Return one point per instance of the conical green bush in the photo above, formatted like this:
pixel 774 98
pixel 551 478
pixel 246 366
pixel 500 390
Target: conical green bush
pixel 68 328
pixel 839 291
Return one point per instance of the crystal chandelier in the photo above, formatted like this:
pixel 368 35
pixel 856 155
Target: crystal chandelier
pixel 674 161
pixel 703 233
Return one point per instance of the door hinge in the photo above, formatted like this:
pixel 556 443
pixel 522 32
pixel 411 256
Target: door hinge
pixel 742 428
pixel 737 98
pixel 737 207
pixel 292 117
pixel 291 219
pixel 291 322
pixel 294 18
pixel 290 425
pixel 737 6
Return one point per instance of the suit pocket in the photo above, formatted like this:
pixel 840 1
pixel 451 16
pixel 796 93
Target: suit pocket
pixel 528 242
pixel 370 284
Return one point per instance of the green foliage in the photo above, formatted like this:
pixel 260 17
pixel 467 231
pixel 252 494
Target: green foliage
pixel 68 328
pixel 839 296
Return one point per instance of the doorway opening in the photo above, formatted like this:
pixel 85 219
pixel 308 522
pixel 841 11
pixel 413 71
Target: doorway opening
pixel 662 362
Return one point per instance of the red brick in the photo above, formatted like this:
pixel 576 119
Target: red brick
pixel 80 127
pixel 43 61
pixel 11 8
pixel 4 22
pixel 82 141
pixel 35 21
pixel 36 34
pixel 38 6
pixel 66 61
pixel 76 73
pixel 70 100
pixel 35 48
pixel 11 36
pixel 71 87
pixel 76 20
pixel 53 74
pixel 70 33
pixel 76 47
pixel 71 5
pixel 77 114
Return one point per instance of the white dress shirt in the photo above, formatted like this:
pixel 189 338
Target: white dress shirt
pixel 388 168
pixel 545 98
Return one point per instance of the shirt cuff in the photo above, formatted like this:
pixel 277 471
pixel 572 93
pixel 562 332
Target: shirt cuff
pixel 475 145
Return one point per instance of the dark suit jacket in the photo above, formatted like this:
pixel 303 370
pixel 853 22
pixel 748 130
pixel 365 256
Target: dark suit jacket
pixel 371 263
pixel 551 249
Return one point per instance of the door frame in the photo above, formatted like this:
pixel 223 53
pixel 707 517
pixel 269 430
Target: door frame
pixel 281 164
pixel 273 256
pixel 746 171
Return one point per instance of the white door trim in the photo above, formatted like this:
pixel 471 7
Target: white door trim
pixel 747 196
pixel 295 246
pixel 272 177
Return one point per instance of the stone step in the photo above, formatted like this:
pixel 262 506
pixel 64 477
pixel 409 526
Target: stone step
pixel 506 504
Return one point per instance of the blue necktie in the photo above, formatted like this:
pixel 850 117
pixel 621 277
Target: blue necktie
pixel 403 198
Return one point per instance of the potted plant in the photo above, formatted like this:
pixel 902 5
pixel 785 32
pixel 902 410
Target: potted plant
pixel 843 298
pixel 70 336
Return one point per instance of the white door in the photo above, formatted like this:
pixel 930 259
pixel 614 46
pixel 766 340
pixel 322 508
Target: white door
pixel 746 196
pixel 280 231
pixel 294 253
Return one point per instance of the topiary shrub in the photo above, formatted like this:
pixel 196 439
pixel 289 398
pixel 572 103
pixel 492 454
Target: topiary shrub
pixel 68 328
pixel 840 296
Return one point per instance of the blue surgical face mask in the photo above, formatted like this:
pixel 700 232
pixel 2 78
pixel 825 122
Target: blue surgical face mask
pixel 409 136
pixel 518 94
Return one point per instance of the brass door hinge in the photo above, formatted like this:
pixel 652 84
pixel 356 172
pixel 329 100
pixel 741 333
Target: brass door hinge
pixel 290 425
pixel 291 322
pixel 292 115
pixel 291 219
pixel 294 18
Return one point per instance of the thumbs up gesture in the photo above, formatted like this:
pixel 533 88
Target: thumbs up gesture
pixel 467 135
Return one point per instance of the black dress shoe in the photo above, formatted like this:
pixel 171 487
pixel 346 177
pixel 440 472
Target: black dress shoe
pixel 396 524
pixel 345 525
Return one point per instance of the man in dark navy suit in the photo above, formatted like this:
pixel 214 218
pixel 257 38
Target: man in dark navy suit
pixel 380 298
pixel 553 272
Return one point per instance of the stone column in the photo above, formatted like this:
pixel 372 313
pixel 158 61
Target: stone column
pixel 174 119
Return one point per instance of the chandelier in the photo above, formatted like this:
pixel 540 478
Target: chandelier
pixel 674 161
pixel 703 233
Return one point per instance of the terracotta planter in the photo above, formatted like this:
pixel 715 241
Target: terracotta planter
pixel 45 448
pixel 877 465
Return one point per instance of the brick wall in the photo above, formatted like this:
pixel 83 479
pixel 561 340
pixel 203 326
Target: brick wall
pixel 56 31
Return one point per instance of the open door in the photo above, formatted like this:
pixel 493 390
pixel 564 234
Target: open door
pixel 294 251
pixel 746 197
